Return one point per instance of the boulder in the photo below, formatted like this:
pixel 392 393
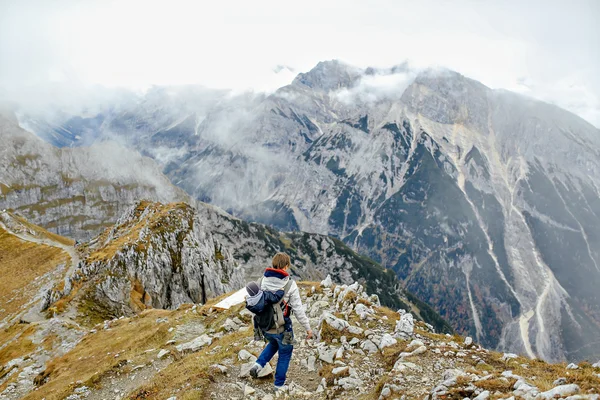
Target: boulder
pixel 245 355
pixel 560 391
pixel 369 346
pixel 405 325
pixel 195 344
pixel 327 282
pixel 386 341
pixel 326 354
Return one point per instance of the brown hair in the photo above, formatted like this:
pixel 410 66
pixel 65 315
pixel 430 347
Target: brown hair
pixel 281 260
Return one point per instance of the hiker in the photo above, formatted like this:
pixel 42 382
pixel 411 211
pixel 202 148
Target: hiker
pixel 256 302
pixel 280 336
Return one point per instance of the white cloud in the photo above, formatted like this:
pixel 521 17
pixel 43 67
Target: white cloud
pixel 237 44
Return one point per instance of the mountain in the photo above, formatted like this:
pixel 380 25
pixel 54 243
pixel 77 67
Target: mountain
pixel 164 255
pixel 483 202
pixel 75 192
pixel 363 350
pixel 155 257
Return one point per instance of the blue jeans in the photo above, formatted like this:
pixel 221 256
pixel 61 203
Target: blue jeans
pixel 285 355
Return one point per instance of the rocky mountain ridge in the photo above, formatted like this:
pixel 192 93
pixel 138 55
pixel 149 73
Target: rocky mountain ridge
pixel 162 256
pixel 74 192
pixel 484 202
pixel 363 351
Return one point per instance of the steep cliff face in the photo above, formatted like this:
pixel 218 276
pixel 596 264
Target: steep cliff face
pixel 483 202
pixel 155 256
pixel 74 192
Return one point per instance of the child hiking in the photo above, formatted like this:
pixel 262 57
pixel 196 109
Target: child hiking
pixel 274 298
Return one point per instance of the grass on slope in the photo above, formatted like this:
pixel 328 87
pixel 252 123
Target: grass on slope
pixel 42 232
pixel 128 234
pixel 21 262
pixel 101 353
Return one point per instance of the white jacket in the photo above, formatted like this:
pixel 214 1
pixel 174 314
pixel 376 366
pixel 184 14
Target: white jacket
pixel 274 280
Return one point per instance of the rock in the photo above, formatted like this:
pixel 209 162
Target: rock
pixel 220 368
pixel 326 354
pixel 405 325
pixel 355 330
pixel 386 341
pixel 508 356
pixel 483 395
pixel 560 391
pixel 229 325
pixel 334 322
pixel 468 341
pixel 310 363
pixel 327 282
pixel 245 355
pixel 419 350
pixel 414 343
pixel 349 383
pixel 322 386
pixel 572 366
pixel 266 371
pixel 245 369
pixel 162 353
pixel 339 370
pixel 369 346
pixel 195 344
pixel 385 392
pixel 354 341
pixel 246 313
pixel 596 365
pixel 317 308
pixel 559 381
pixel 362 311
pixel 248 390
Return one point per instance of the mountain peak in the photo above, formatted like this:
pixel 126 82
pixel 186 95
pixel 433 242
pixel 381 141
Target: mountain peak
pixel 329 75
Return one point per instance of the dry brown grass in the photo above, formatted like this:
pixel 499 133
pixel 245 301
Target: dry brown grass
pixel 326 372
pixel 127 235
pixel 20 263
pixel 545 373
pixel 42 232
pixel 19 342
pixel 391 353
pixel 191 374
pixel 496 384
pixel 328 334
pixel 95 356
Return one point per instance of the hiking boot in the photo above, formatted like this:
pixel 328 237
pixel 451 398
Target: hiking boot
pixel 255 370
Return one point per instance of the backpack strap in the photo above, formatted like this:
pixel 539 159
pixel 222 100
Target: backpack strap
pixel 278 312
pixel 286 288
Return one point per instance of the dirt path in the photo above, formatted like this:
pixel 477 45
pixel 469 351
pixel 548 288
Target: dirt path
pixel 33 314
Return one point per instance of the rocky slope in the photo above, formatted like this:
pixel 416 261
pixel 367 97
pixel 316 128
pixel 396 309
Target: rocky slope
pixel 162 256
pixel 363 351
pixel 74 192
pixel 484 203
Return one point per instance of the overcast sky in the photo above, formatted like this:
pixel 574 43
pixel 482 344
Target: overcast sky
pixel 547 49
